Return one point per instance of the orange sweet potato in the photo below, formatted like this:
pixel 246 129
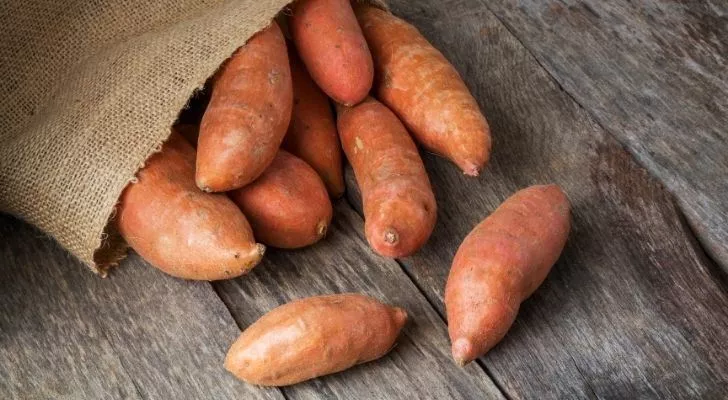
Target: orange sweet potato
pixel 180 230
pixel 501 263
pixel 288 206
pixel 425 91
pixel 331 44
pixel 248 115
pixel 399 206
pixel 312 337
pixel 312 134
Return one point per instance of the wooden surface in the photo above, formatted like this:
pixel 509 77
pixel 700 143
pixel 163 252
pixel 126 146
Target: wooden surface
pixel 633 309
pixel 654 74
pixel 420 364
pixel 66 333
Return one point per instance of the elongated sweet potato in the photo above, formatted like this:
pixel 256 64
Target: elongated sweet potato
pixel 180 230
pixel 248 114
pixel 288 206
pixel 312 134
pixel 500 264
pixel 425 91
pixel 399 206
pixel 312 337
pixel 331 44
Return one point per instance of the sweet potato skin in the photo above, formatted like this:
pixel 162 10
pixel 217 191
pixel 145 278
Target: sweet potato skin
pixel 332 46
pixel 288 206
pixel 180 230
pixel 248 114
pixel 399 207
pixel 416 81
pixel 312 337
pixel 500 264
pixel 312 134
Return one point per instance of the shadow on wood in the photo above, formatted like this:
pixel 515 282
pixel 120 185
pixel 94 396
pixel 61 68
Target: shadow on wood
pixel 655 75
pixel 66 333
pixel 633 307
pixel 418 367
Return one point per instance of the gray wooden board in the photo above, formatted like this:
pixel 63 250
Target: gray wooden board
pixel 67 334
pixel 655 75
pixel 419 367
pixel 634 307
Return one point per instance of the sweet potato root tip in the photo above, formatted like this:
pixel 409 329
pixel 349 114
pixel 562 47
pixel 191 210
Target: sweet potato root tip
pixel 260 249
pixel 322 228
pixel 400 316
pixel 470 169
pixel 391 237
pixel 203 186
pixel 462 352
pixel 256 255
pixel 501 262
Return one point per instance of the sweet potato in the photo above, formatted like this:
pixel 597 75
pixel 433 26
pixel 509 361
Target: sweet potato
pixel 312 134
pixel 331 44
pixel 416 81
pixel 500 264
pixel 248 115
pixel 312 337
pixel 288 206
pixel 180 230
pixel 399 206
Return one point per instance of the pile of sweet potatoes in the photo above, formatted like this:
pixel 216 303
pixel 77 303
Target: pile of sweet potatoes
pixel 266 159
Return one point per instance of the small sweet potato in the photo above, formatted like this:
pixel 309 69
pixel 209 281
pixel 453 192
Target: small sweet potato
pixel 288 206
pixel 500 264
pixel 312 134
pixel 331 44
pixel 399 206
pixel 248 114
pixel 180 230
pixel 312 337
pixel 416 81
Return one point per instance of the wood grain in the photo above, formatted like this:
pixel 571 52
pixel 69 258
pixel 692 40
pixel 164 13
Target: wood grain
pixel 419 367
pixel 139 334
pixel 655 75
pixel 633 308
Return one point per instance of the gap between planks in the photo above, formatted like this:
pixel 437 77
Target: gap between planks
pixel 701 243
pixel 422 291
pixel 419 366
pixel 695 239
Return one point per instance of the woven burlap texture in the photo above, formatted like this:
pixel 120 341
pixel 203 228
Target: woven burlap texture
pixel 90 90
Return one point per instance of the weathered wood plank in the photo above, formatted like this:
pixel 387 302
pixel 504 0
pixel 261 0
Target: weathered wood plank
pixel 655 75
pixel 68 334
pixel 418 368
pixel 633 308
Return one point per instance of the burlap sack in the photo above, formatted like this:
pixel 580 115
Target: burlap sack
pixel 89 92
